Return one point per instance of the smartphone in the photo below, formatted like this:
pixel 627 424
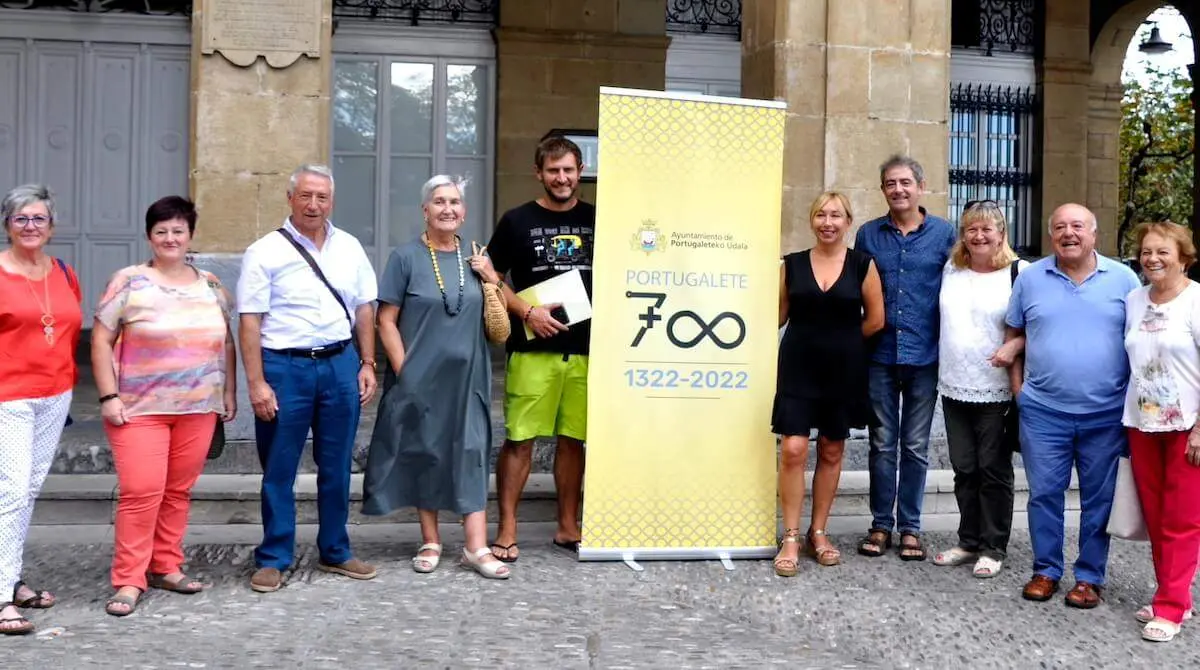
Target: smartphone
pixel 559 314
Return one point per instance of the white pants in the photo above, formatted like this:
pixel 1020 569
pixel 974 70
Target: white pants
pixel 29 434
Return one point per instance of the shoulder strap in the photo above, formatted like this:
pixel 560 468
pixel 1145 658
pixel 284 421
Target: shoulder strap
pixel 66 271
pixel 1014 269
pixel 316 270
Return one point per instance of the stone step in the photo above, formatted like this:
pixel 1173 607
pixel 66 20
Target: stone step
pixel 234 499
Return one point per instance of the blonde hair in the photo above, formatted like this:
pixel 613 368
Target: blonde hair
pixel 1171 231
pixel 824 199
pixel 960 256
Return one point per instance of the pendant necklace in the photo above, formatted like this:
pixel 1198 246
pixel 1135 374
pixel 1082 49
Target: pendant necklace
pixel 47 315
pixel 437 272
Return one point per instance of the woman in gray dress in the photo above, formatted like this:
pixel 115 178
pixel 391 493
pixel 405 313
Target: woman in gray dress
pixel 430 446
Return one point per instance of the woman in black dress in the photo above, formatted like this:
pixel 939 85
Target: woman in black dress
pixel 831 299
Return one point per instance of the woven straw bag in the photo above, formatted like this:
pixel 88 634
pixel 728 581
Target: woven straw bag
pixel 495 312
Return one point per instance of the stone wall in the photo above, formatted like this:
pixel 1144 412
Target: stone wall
pixel 251 126
pixel 862 80
pixel 552 58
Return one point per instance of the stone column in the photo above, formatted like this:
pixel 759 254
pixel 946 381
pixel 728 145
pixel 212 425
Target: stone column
pixel 1064 82
pixel 862 80
pixel 251 127
pixel 552 59
pixel 1104 165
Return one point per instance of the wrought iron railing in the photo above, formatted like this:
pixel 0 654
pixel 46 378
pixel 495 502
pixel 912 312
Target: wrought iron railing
pixel 416 12
pixel 991 156
pixel 712 17
pixel 177 7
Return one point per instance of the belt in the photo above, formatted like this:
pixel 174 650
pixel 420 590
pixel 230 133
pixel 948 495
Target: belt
pixel 326 351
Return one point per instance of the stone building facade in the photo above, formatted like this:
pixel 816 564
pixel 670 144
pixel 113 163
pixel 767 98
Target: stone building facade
pixel 117 102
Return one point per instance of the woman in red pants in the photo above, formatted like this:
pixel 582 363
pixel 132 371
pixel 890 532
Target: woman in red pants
pixel 1162 338
pixel 163 386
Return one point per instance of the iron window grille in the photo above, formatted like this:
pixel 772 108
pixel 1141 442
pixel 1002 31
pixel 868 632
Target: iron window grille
pixel 175 7
pixel 710 17
pixel 994 25
pixel 416 12
pixel 991 156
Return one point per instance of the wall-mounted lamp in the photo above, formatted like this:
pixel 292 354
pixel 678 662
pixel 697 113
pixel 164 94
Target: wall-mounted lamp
pixel 1155 44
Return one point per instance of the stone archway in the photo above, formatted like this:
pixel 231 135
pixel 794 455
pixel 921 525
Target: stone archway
pixel 1104 113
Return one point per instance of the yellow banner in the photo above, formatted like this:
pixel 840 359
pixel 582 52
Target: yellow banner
pixel 680 455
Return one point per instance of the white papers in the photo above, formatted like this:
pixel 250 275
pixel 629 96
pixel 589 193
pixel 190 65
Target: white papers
pixel 565 289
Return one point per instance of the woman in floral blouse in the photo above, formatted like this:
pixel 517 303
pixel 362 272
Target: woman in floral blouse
pixel 1162 338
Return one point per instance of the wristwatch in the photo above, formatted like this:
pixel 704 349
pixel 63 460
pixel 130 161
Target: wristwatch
pixel 373 364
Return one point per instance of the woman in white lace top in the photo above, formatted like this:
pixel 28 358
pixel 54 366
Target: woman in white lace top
pixel 973 379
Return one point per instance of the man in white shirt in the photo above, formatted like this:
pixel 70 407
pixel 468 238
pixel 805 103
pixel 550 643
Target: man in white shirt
pixel 304 291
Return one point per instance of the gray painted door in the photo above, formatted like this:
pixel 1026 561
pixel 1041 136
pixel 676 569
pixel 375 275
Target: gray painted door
pixel 105 124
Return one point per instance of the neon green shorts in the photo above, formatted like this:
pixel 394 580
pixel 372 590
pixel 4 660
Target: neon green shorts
pixel 545 396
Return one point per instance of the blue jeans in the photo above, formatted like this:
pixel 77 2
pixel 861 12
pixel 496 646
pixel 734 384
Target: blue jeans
pixel 900 442
pixel 1051 443
pixel 321 394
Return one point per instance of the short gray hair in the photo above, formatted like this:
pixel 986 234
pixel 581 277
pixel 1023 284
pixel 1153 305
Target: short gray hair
pixel 25 195
pixel 438 181
pixel 900 160
pixel 310 168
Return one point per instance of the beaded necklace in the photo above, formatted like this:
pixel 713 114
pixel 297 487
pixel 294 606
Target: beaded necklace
pixel 437 272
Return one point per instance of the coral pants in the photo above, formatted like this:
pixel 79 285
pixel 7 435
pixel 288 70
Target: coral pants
pixel 1169 489
pixel 158 459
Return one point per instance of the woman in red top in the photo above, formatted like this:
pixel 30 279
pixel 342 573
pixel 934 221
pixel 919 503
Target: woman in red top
pixel 40 319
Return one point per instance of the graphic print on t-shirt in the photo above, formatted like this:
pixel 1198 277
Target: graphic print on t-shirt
pixel 561 248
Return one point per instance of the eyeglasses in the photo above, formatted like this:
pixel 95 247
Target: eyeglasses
pixel 981 204
pixel 22 221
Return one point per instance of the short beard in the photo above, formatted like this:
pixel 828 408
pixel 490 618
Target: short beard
pixel 556 199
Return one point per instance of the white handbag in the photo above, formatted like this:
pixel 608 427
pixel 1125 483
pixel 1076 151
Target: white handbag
pixel 1126 520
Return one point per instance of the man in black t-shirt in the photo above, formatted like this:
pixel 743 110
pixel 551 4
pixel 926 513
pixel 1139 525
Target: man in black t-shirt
pixel 546 378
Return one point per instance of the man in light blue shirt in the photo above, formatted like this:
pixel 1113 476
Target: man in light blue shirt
pixel 910 248
pixel 1071 309
pixel 306 293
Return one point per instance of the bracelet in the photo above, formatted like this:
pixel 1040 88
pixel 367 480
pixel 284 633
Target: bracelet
pixel 106 398
pixel 373 364
pixel 527 313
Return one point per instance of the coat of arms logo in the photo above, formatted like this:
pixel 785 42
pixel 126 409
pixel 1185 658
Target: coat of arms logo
pixel 648 238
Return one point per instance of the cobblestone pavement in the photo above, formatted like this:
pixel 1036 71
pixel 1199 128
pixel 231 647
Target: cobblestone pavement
pixel 557 613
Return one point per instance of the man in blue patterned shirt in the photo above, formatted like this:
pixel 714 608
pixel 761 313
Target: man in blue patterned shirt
pixel 910 248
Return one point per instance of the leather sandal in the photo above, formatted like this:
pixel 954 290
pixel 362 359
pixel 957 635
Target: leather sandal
pixel 911 551
pixel 23 626
pixel 427 564
pixel 787 567
pixel 1159 630
pixel 185 585
pixel 129 601
pixel 826 556
pixel 875 543
pixel 40 600
pixel 489 569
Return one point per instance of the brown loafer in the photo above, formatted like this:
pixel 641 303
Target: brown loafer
pixel 1040 589
pixel 266 580
pixel 1084 596
pixel 353 568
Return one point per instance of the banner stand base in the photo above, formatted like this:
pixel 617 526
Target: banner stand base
pixel 630 557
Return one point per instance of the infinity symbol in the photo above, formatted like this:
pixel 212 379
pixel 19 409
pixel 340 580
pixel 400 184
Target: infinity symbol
pixel 708 330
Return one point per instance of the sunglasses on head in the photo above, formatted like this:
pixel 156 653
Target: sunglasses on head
pixel 981 203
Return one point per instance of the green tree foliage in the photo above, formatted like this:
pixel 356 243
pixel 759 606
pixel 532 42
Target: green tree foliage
pixel 1157 140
